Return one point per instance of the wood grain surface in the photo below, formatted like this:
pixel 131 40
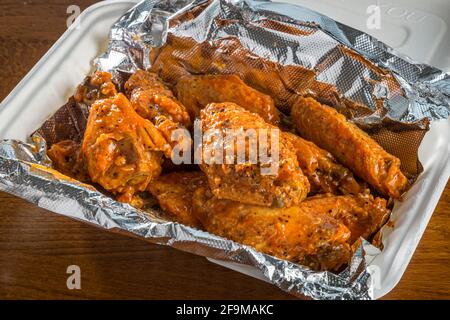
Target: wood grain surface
pixel 37 246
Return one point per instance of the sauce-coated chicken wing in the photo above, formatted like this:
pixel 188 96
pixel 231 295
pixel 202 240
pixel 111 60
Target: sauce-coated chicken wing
pixel 355 149
pixel 284 184
pixel 174 194
pixel 303 236
pixel 123 151
pixel 154 101
pixel 196 92
pixel 66 155
pixel 362 214
pixel 324 173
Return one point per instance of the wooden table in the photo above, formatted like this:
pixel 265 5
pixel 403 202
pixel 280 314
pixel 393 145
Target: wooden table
pixel 37 246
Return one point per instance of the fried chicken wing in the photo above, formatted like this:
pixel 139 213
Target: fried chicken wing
pixel 275 181
pixel 362 214
pixel 123 151
pixel 313 239
pixel 324 173
pixel 196 92
pixel 330 130
pixel 154 101
pixel 68 159
pixel 66 155
pixel 174 193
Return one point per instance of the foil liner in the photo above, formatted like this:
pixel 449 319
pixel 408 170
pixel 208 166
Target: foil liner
pixel 381 88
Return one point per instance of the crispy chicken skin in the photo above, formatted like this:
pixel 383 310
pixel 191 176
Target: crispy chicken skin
pixel 362 214
pixel 174 193
pixel 68 159
pixel 154 101
pixel 248 182
pixel 123 151
pixel 196 92
pixel 324 173
pixel 313 239
pixel 330 130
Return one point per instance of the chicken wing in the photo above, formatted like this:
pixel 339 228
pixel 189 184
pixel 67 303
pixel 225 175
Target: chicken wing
pixel 324 173
pixel 313 239
pixel 196 92
pixel 123 151
pixel 154 101
pixel 330 130
pixel 275 181
pixel 66 155
pixel 362 214
pixel 174 193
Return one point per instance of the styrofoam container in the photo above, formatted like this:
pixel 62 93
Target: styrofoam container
pixel 53 80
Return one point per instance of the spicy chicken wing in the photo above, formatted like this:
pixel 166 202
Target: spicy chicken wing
pixel 196 92
pixel 174 193
pixel 236 168
pixel 66 155
pixel 362 214
pixel 330 130
pixel 313 239
pixel 123 151
pixel 154 101
pixel 324 173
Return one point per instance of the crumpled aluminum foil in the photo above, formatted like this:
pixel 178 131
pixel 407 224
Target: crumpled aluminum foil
pixel 425 92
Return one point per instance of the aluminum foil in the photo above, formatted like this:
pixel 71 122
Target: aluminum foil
pixel 412 93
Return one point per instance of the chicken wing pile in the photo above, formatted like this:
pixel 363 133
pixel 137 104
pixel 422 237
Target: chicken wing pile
pixel 306 197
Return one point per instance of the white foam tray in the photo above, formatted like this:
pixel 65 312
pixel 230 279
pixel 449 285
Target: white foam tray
pixel 53 79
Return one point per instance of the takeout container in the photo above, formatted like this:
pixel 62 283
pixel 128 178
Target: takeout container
pixel 53 80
